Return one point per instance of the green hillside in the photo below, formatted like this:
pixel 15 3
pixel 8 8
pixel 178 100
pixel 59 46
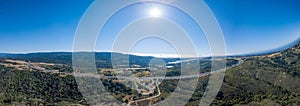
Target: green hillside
pixel 264 80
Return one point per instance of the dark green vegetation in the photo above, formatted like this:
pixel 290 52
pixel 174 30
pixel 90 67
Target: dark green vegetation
pixel 33 87
pixel 271 79
pixel 102 59
pixel 263 80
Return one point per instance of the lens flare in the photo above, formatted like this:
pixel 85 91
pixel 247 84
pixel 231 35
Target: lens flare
pixel 155 12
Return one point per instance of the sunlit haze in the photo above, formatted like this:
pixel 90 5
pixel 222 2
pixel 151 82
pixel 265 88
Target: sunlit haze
pixel 155 12
pixel 248 26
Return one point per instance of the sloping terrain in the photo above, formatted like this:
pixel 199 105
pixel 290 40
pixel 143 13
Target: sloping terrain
pixel 272 79
pixel 265 80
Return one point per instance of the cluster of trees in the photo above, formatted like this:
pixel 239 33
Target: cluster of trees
pixel 34 87
pixel 259 79
pixel 266 78
pixel 61 68
pixel 102 59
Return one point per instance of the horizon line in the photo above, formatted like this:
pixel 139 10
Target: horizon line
pixel 158 55
pixel 272 50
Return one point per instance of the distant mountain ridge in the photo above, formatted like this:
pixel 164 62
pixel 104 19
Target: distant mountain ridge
pixel 68 54
pixel 266 80
pixel 271 79
pixel 278 49
pixel 102 59
pixel 284 47
pixel 2 54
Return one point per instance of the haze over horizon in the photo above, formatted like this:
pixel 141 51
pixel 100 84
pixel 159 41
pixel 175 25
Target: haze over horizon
pixel 50 26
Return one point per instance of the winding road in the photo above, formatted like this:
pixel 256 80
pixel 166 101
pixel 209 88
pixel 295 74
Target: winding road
pixel 129 103
pixel 153 78
pixel 240 61
pixel 183 77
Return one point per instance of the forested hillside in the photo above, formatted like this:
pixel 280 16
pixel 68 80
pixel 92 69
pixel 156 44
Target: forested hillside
pixel 37 88
pixel 264 80
pixel 102 59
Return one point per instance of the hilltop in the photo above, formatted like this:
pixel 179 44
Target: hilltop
pixel 102 59
pixel 263 80
pixel 271 79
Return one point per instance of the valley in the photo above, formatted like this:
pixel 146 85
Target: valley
pixel 269 79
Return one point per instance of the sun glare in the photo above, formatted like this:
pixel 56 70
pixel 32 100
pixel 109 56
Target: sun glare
pixel 155 12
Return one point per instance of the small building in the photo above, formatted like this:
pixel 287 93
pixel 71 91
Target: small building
pixel 169 67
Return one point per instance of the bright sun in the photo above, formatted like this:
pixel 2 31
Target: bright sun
pixel 154 12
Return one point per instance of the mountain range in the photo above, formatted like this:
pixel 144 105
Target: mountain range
pixel 265 79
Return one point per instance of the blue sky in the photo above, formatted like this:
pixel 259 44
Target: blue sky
pixel 50 25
